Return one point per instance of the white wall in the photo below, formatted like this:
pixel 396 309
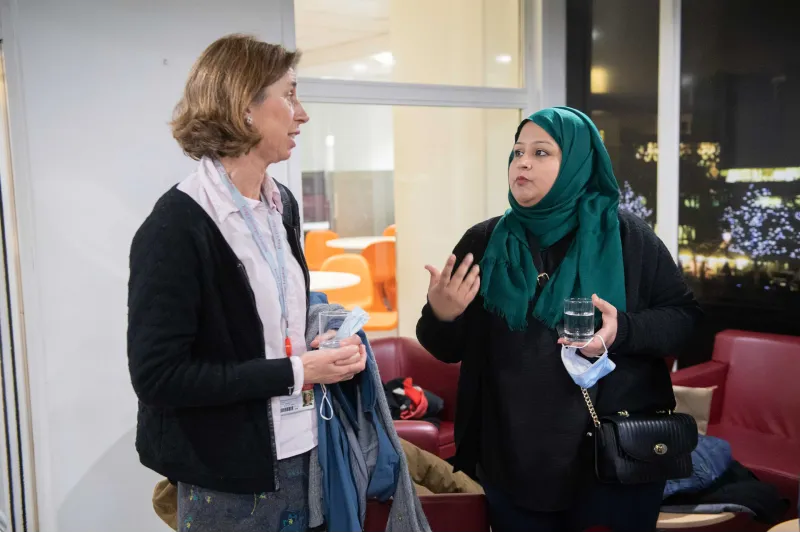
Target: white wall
pixel 92 84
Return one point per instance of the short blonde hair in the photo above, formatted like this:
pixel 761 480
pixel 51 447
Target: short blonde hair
pixel 231 74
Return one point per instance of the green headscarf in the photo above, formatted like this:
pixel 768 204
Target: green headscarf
pixel 585 196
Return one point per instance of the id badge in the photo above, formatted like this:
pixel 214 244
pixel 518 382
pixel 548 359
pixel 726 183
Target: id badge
pixel 297 404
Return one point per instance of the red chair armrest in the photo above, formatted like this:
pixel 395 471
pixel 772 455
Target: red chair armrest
pixel 445 512
pixel 421 434
pixel 708 374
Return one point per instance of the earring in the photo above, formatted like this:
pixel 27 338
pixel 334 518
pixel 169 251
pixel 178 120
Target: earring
pixel 249 120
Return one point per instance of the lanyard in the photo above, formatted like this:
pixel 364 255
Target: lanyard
pixel 278 268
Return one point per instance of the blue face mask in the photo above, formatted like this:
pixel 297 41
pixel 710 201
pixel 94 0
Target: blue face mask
pixel 584 373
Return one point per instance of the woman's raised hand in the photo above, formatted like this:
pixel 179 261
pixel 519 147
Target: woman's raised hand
pixel 449 293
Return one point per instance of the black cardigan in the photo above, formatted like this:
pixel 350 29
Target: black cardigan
pixel 529 392
pixel 196 351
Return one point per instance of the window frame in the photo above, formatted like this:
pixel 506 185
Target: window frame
pixel 544 77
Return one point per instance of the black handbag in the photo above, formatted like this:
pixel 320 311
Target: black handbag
pixel 642 448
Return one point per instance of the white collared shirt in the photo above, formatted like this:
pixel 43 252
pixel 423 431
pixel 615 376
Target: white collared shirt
pixel 295 433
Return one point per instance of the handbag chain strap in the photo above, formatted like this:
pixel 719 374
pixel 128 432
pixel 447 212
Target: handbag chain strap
pixel 590 405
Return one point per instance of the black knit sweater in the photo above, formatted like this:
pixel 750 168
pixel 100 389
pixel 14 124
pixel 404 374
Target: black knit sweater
pixel 196 351
pixel 519 414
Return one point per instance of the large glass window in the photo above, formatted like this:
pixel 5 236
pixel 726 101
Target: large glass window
pixel 613 52
pixel 740 166
pixel 393 173
pixel 451 42
pixel 417 177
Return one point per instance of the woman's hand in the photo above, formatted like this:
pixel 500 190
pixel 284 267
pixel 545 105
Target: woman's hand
pixel 354 340
pixel 333 366
pixel 608 331
pixel 450 293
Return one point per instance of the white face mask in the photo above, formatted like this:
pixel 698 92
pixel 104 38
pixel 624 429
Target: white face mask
pixel 322 403
pixel 352 323
pixel 585 373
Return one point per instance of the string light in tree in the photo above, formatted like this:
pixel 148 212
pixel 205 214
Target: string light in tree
pixel 762 227
pixel 634 203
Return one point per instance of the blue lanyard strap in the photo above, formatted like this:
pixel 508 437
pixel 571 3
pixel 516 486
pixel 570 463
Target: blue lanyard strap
pixel 278 268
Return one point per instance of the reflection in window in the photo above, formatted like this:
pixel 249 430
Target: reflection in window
pixel 621 76
pixel 740 183
pixel 451 42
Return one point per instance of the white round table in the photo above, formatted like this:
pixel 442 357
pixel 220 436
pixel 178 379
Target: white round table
pixel 356 244
pixel 326 281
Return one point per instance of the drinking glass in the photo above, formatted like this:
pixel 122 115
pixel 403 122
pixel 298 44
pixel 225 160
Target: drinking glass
pixel 578 319
pixel 329 322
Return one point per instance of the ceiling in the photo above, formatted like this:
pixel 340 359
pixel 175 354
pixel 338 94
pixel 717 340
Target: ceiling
pixel 341 30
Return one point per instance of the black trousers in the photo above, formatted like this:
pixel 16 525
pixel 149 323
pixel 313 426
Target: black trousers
pixel 614 507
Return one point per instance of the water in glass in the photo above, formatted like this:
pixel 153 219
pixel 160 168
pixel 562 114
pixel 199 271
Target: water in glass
pixel 578 319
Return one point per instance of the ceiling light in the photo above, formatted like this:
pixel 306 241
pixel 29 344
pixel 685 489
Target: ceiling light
pixel 503 58
pixel 360 67
pixel 384 58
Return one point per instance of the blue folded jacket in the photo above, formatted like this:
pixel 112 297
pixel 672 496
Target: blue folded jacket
pixel 710 460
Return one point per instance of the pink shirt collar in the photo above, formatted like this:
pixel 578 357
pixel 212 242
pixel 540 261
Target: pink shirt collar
pixel 221 198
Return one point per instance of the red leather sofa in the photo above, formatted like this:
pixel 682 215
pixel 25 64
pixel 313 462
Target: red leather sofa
pixel 756 406
pixel 403 357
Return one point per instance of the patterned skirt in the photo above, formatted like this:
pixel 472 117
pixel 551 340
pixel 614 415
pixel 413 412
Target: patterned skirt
pixel 201 509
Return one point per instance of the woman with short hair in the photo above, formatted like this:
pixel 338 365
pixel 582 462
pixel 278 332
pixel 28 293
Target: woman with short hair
pixel 218 300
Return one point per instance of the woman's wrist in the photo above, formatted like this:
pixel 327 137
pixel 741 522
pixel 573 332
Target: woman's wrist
pixel 298 371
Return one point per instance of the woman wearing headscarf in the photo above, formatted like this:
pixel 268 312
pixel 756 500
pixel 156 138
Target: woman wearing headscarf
pixel 522 425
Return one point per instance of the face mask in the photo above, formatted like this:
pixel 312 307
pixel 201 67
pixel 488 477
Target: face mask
pixel 325 400
pixel 584 373
pixel 354 321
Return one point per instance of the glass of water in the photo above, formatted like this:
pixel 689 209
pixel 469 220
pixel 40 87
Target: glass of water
pixel 329 322
pixel 578 319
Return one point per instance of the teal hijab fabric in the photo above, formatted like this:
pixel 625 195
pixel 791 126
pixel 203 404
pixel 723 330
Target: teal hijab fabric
pixel 585 196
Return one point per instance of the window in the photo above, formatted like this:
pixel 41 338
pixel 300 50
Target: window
pixel 740 172
pixel 432 172
pixel 451 42
pixel 686 234
pixel 621 75
pixel 413 109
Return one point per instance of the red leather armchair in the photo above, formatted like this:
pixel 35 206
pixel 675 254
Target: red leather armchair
pixel 404 357
pixel 756 406
pixel 445 512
